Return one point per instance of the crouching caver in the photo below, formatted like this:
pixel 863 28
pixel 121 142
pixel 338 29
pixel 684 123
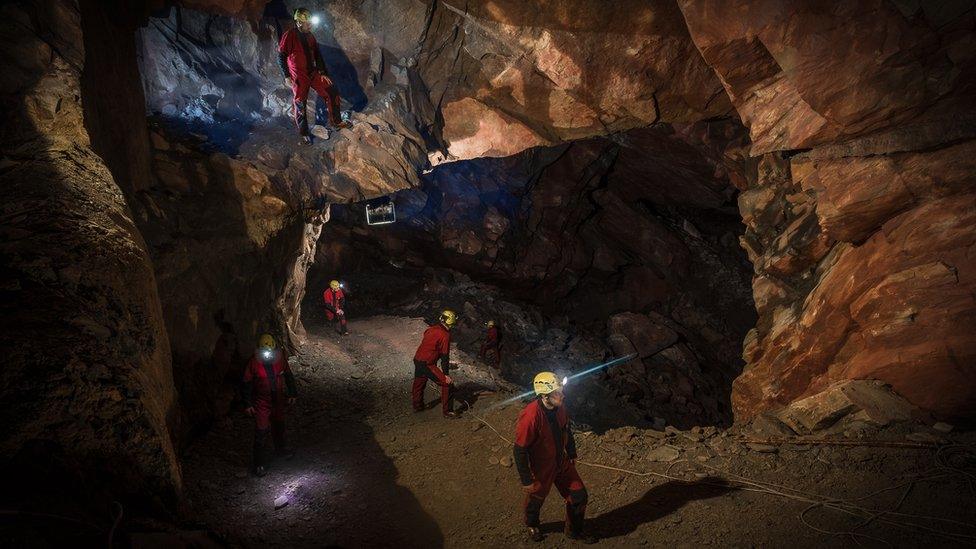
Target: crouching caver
pixel 335 305
pixel 269 387
pixel 545 455
pixel 435 346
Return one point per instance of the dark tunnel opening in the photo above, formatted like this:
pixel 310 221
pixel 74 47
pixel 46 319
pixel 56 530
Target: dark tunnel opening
pixel 544 234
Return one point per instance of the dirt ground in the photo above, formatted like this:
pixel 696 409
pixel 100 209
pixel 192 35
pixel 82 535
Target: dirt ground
pixel 368 472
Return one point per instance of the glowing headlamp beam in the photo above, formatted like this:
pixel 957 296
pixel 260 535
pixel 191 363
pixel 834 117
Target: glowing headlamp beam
pixel 613 362
pixel 315 20
pixel 577 375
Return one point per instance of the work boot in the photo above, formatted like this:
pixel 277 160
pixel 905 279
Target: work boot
pixel 535 534
pixel 451 415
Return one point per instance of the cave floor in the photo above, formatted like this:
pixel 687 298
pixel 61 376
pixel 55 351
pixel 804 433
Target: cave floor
pixel 370 473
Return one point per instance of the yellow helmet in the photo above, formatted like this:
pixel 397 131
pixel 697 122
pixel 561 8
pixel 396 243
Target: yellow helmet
pixel 334 284
pixel 491 323
pixel 302 14
pixel 448 318
pixel 267 340
pixel 545 383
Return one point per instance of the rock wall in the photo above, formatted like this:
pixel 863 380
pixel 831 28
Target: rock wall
pixel 230 255
pixel 634 239
pixel 229 239
pixel 862 246
pixel 218 77
pixel 482 78
pixel 88 392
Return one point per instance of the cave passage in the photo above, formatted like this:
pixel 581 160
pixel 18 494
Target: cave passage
pixel 760 217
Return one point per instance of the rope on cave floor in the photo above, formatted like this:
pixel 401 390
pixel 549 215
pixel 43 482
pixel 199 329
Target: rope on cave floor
pixel 836 442
pixel 814 501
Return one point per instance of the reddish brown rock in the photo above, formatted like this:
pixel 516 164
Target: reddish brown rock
pixel 870 400
pixel 896 308
pixel 855 196
pixel 803 73
pixel 535 64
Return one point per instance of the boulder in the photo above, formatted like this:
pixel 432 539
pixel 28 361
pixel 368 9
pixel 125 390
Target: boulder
pixel 768 426
pixel 646 336
pixel 820 411
pixel 663 454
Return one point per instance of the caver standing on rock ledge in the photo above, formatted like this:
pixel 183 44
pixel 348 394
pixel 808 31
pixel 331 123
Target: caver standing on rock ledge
pixel 491 348
pixel 435 346
pixel 304 68
pixel 335 306
pixel 545 454
pixel 269 387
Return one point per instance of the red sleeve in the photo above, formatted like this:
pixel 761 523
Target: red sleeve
pixel 444 345
pixel 248 375
pixel 525 431
pixel 286 42
pixel 438 373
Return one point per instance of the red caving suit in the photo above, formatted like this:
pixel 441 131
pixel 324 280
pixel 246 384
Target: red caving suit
pixel 267 386
pixel 335 300
pixel 544 452
pixel 435 346
pixel 491 348
pixel 300 57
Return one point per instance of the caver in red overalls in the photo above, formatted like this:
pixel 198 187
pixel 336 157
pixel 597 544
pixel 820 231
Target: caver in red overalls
pixel 491 348
pixel 268 384
pixel 301 60
pixel 545 455
pixel 335 301
pixel 435 346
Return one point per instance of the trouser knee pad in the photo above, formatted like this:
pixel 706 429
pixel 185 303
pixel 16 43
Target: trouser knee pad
pixel 578 498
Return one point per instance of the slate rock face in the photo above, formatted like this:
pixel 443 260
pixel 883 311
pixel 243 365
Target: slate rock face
pixel 862 247
pixel 803 74
pixel 87 380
